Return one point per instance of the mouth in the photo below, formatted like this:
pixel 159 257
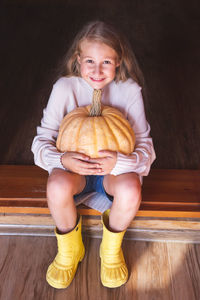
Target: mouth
pixel 97 79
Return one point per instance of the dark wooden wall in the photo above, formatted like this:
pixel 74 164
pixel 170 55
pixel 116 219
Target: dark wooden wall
pixel 165 36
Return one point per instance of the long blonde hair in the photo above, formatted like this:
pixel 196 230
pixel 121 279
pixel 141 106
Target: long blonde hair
pixel 107 34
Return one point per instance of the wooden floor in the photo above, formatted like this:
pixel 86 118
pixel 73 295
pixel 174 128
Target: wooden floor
pixel 158 271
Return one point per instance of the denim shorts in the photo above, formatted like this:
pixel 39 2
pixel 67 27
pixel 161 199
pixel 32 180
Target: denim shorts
pixel 94 183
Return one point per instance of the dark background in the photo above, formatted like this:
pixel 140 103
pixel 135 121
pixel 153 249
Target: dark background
pixel 165 36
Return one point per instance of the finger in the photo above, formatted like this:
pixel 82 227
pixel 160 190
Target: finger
pixel 86 165
pixel 90 171
pixel 103 153
pixel 99 161
pixel 77 155
pixel 80 156
pixel 94 160
pixel 106 153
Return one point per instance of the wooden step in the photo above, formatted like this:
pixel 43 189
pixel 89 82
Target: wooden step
pixel 170 208
pixel 165 193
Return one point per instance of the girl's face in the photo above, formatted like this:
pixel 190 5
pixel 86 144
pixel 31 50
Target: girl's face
pixel 98 63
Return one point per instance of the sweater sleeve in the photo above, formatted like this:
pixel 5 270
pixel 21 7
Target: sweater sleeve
pixel 44 148
pixel 143 156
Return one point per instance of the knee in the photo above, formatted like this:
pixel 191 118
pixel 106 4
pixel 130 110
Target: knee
pixel 129 191
pixel 59 186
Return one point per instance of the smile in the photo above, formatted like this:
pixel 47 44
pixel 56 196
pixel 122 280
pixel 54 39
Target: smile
pixel 97 79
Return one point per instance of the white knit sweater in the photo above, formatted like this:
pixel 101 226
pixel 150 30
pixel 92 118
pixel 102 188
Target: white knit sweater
pixel 69 93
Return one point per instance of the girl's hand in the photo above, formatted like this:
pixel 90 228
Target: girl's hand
pixel 106 162
pixel 80 163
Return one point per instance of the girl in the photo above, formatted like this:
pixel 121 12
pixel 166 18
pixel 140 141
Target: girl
pixel 99 58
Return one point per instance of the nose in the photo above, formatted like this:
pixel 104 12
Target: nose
pixel 97 69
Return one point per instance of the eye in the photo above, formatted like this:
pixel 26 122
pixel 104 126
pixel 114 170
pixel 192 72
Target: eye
pixel 107 62
pixel 89 61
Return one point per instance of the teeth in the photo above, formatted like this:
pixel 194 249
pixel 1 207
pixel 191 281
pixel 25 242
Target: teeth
pixel 97 78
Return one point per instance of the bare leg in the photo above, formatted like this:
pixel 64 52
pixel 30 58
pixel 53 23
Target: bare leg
pixel 126 189
pixel 61 187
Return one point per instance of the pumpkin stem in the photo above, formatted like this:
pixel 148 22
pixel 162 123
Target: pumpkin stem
pixel 96 104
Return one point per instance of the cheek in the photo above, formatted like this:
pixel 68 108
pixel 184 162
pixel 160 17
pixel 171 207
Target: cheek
pixel 111 72
pixel 82 70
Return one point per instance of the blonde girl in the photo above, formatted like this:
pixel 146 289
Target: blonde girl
pixel 99 58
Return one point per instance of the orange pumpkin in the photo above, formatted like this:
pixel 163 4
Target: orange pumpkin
pixel 94 127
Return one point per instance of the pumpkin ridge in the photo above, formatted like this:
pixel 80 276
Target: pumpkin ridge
pixel 62 134
pixel 120 118
pixel 95 134
pixel 78 134
pixel 122 129
pixel 101 132
pixel 109 110
pixel 87 134
pixel 105 131
pixel 69 118
pixel 112 132
pixel 130 133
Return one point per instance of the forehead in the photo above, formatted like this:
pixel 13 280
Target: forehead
pixel 92 48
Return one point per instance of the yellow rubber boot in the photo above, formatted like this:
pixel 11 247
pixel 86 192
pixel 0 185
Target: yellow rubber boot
pixel 70 252
pixel 114 271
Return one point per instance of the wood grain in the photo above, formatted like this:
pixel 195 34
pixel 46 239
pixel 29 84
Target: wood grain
pixel 160 271
pixel 91 221
pixel 166 193
pixel 140 229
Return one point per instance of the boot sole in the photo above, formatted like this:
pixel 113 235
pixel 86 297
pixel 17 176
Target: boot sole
pixel 112 285
pixel 57 285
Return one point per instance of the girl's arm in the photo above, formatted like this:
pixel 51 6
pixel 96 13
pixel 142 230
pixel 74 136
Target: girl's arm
pixel 143 156
pixel 44 149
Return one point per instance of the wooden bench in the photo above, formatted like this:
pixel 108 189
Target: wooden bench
pixel 170 198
